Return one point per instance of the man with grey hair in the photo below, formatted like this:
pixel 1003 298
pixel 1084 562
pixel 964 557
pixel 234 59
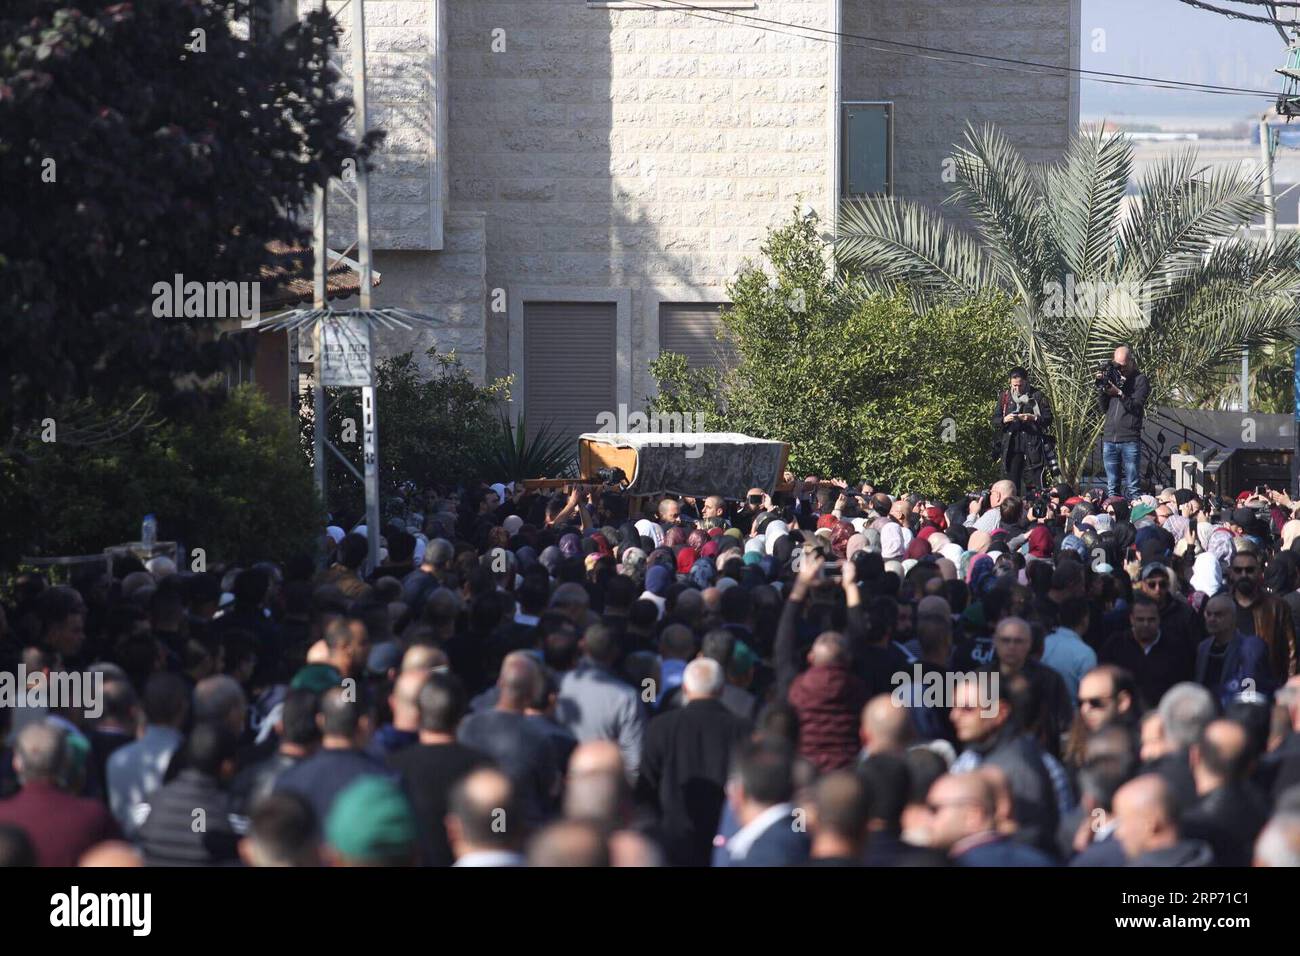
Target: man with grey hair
pixel 1279 842
pixel 60 825
pixel 221 699
pixel 521 749
pixel 1184 711
pixel 685 760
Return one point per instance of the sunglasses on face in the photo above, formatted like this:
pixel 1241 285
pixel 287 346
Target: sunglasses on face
pixel 1092 703
pixel 1160 582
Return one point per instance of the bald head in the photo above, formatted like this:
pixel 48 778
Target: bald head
pixel 1000 490
pixel 961 805
pixel 405 699
pixel 41 753
pixel 424 657
pixel 569 843
pixel 1147 811
pixel 482 813
pixel 518 682
pixel 596 787
pixel 111 854
pixel 886 728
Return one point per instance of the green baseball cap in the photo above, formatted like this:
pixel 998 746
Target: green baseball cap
pixel 371 821
pixel 316 678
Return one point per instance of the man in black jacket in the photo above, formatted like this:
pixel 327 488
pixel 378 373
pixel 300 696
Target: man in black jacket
pixel 191 820
pixel 1229 812
pixel 684 761
pixel 1124 407
pixel 1022 417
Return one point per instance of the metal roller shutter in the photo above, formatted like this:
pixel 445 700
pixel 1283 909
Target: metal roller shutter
pixel 691 329
pixel 569 364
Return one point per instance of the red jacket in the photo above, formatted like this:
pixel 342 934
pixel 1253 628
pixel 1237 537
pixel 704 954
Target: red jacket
pixel 61 826
pixel 829 702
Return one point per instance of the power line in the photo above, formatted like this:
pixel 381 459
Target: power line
pixel 1234 14
pixel 944 55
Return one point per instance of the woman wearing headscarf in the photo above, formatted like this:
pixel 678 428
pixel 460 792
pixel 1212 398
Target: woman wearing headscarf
pixel 1207 580
pixel 703 573
pixel 649 529
pixel 1040 542
pixel 773 532
pixel 1222 545
pixel 570 545
pixel 633 562
pixel 550 559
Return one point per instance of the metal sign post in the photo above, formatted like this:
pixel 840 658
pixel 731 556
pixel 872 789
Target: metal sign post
pixel 344 341
pixel 369 412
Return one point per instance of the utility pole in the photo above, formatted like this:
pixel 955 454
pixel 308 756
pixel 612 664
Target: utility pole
pixel 1270 232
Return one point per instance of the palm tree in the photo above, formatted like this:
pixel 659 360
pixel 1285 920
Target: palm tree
pixel 1169 271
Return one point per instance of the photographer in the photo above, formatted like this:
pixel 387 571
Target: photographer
pixel 1022 416
pixel 1122 392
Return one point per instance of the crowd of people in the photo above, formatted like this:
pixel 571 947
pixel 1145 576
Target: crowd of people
pixel 826 676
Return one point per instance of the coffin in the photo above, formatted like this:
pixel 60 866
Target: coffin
pixel 686 463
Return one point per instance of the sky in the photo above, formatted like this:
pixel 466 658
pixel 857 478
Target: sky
pixel 1169 39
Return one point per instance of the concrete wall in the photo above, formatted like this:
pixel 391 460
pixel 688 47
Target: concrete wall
pixel 630 149
pixel 643 154
pixel 934 100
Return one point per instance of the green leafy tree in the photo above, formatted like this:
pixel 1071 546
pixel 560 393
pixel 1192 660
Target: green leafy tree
pixel 138 142
pixel 433 429
pixel 229 480
pixel 860 384
pixel 1088 268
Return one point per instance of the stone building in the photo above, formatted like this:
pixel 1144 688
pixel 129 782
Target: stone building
pixel 570 184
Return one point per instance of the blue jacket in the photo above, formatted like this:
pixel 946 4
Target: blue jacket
pixel 1003 852
pixel 1246 659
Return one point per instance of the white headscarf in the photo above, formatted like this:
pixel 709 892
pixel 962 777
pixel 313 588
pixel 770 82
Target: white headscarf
pixel 1207 574
pixel 774 532
pixel 648 529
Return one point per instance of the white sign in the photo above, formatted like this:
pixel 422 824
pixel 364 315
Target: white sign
pixel 345 352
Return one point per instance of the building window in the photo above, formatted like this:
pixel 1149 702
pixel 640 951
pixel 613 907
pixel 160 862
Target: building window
pixel 570 365
pixel 691 329
pixel 867 163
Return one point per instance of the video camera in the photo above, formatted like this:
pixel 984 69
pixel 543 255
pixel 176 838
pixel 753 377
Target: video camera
pixel 612 476
pixel 1111 374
